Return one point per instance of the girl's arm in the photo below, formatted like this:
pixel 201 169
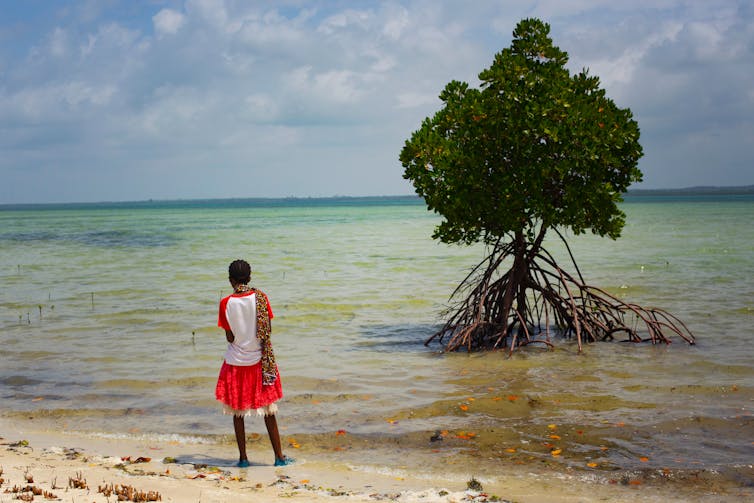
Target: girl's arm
pixel 229 336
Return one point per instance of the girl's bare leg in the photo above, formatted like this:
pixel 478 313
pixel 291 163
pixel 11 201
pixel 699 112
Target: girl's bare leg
pixel 272 430
pixel 240 429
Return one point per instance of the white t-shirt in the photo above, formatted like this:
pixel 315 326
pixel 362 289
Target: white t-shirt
pixel 238 313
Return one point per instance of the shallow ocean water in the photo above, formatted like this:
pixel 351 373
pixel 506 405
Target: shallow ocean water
pixel 108 325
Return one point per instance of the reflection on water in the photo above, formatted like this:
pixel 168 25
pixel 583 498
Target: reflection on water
pixel 108 325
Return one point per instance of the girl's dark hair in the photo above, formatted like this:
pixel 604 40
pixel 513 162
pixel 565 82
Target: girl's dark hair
pixel 240 271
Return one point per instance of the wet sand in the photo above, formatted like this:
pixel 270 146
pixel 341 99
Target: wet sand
pixel 58 462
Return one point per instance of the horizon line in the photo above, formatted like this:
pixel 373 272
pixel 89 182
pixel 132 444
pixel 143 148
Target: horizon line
pixel 691 190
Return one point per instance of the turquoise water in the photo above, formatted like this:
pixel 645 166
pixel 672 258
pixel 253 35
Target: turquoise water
pixel 108 324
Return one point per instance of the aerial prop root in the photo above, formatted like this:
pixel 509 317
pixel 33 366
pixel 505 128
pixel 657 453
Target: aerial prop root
pixel 492 309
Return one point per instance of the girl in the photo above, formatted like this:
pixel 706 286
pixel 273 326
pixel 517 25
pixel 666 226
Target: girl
pixel 249 381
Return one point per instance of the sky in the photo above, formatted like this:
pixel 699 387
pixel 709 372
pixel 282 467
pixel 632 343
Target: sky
pixel 123 100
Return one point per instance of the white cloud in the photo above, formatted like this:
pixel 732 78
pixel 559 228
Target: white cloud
pixel 87 48
pixel 333 86
pixel 262 107
pixel 79 93
pixel 55 102
pixel 268 30
pixel 620 70
pixel 341 86
pixel 59 42
pixel 212 12
pixel 168 22
pixel 173 110
pixel 381 62
pixel 347 19
pixel 397 23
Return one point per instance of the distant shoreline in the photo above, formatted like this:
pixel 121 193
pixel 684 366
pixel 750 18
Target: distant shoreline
pixel 235 202
pixel 695 191
pixel 267 202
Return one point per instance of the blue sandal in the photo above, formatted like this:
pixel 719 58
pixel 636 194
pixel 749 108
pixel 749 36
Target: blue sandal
pixel 284 461
pixel 244 463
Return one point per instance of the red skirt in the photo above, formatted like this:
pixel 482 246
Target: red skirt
pixel 242 393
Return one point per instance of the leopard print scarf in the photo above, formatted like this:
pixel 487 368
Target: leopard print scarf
pixel 264 330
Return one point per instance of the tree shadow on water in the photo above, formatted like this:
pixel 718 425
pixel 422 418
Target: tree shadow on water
pixel 386 338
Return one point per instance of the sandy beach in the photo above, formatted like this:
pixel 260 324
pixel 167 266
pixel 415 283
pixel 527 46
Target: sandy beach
pixel 55 466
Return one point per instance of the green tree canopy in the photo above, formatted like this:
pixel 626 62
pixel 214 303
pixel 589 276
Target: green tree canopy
pixel 534 147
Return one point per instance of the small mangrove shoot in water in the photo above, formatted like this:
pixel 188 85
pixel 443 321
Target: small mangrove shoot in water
pixel 533 150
